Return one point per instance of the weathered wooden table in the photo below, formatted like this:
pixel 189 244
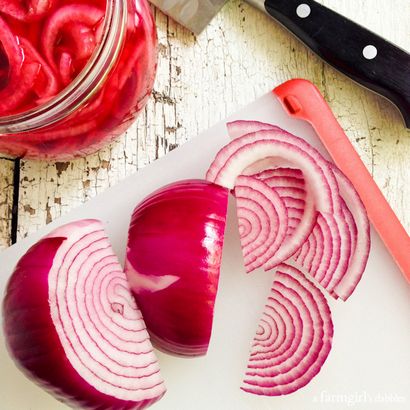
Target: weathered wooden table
pixel 240 56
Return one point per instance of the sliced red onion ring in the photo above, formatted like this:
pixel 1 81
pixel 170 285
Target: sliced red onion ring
pixel 247 154
pixel 12 96
pixel 351 225
pixel 49 85
pixel 65 21
pixel 245 151
pixel 320 254
pixel 72 324
pixel 288 174
pixel 290 185
pixel 271 216
pixel 173 260
pixel 26 10
pixel 83 38
pixel 338 234
pixel 288 352
pixel 359 257
pixel 66 68
pixel 278 346
pixel 349 254
pixel 342 235
pixel 249 219
pixel 284 136
pixel 14 92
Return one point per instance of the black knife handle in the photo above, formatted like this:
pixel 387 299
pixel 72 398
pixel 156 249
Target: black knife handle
pixel 341 43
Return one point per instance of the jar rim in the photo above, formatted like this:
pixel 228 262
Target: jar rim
pixel 84 86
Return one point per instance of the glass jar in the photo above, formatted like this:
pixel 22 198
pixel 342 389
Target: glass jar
pixel 102 101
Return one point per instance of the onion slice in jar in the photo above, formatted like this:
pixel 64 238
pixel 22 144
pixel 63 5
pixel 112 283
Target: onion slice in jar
pixel 49 85
pixel 173 262
pixel 294 336
pixel 17 82
pixel 26 10
pixel 72 325
pixel 65 22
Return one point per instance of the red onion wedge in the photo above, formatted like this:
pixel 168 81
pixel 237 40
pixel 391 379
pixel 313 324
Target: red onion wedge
pixel 173 260
pixel 294 336
pixel 267 217
pixel 72 325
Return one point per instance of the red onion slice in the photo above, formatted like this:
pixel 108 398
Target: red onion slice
pixel 340 223
pixel 290 185
pixel 83 40
pixel 72 325
pixel 26 10
pixel 173 260
pixel 249 221
pixel 245 151
pixel 351 226
pixel 278 368
pixel 13 95
pixel 252 153
pixel 359 257
pixel 66 26
pixel 14 91
pixel 49 86
pixel 270 221
pixel 284 136
pixel 295 322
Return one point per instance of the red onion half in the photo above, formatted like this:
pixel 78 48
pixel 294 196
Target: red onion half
pixel 173 259
pixel 72 325
pixel 294 336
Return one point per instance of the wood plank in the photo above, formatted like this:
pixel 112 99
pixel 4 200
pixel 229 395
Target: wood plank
pixel 240 56
pixel 6 200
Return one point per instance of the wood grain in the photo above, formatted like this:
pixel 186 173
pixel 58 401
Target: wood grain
pixel 6 200
pixel 241 55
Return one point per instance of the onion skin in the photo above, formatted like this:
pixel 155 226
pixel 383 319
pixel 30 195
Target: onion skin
pixel 173 260
pixel 32 338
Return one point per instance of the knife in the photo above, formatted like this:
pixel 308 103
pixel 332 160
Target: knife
pixel 355 51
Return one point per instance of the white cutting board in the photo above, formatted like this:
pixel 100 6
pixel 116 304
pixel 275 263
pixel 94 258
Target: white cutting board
pixel 368 367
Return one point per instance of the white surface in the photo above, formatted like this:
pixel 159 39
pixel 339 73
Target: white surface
pixel 368 367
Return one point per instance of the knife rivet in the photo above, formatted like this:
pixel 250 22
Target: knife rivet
pixel 303 10
pixel 370 52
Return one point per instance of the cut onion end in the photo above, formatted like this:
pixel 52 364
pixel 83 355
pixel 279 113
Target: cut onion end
pixel 73 326
pixel 173 261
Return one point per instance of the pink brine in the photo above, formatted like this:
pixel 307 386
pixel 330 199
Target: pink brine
pixel 73 74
